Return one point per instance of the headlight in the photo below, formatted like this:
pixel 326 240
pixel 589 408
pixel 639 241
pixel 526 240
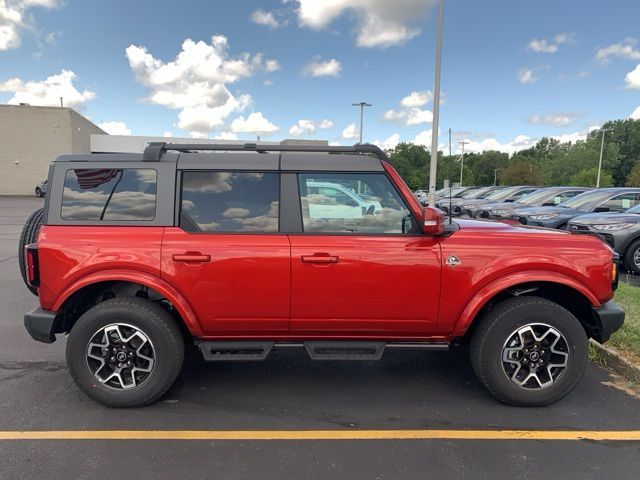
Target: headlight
pixel 501 211
pixel 468 206
pixel 612 227
pixel 545 216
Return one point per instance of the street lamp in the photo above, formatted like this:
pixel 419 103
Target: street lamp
pixel 361 105
pixel 603 130
pixel 433 165
pixel 463 143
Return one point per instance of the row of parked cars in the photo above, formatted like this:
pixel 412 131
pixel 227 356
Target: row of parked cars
pixel 612 214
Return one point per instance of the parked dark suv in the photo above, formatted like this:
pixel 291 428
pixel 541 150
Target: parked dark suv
pixel 600 200
pixel 620 230
pixel 244 249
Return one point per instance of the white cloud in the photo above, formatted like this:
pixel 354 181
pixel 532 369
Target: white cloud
pixel 520 142
pixel 635 115
pixel 390 143
pixel 272 65
pixel 322 68
pixel 416 116
pixel 350 132
pixel 416 99
pixel 625 49
pixel 632 79
pixel 394 115
pixel 526 75
pixel 410 113
pixel 308 127
pixel 167 134
pixel 423 138
pixel 115 128
pixel 254 123
pixel 15 18
pixel 555 119
pixel 226 136
pixel 268 19
pixel 48 92
pixel 544 45
pixel 195 82
pixel 380 23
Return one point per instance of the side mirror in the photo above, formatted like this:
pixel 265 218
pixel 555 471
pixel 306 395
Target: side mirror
pixel 432 221
pixel 602 209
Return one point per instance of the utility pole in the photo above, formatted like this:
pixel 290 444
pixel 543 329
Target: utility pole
pixel 463 143
pixel 495 177
pixel 433 166
pixel 603 130
pixel 361 105
pixel 61 104
pixel 449 141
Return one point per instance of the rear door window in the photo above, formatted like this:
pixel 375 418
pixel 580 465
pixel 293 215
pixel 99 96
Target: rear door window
pixel 96 194
pixel 229 201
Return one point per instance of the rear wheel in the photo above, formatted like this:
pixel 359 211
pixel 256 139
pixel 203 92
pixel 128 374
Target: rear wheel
pixel 39 192
pixel 125 352
pixel 632 257
pixel 29 235
pixel 529 351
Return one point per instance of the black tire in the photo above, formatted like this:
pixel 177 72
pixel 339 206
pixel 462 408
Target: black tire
pixel 498 326
pixel 150 319
pixel 39 192
pixel 29 235
pixel 629 264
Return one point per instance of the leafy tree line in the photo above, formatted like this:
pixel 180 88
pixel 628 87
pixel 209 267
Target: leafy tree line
pixel 548 162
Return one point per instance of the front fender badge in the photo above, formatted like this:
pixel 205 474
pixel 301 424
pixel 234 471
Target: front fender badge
pixel 453 261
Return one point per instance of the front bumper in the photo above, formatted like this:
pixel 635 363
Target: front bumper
pixel 41 325
pixel 607 320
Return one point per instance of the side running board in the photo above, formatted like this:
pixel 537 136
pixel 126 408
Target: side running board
pixel 232 350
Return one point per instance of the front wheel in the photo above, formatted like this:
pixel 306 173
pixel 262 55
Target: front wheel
pixel 39 192
pixel 125 352
pixel 632 258
pixel 529 351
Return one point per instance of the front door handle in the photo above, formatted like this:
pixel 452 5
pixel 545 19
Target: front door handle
pixel 191 257
pixel 319 258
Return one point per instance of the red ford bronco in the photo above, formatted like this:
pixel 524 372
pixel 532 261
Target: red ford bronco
pixel 243 249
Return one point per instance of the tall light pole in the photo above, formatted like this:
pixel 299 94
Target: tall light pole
pixel 463 143
pixel 495 177
pixel 603 130
pixel 433 166
pixel 361 105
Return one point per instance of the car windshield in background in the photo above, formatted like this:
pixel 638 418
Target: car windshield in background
pixel 451 191
pixel 635 210
pixel 502 194
pixel 584 200
pixel 537 197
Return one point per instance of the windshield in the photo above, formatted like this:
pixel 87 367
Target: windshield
pixel 502 194
pixel 537 197
pixel 479 193
pixel 581 201
pixel 454 190
pixel 635 209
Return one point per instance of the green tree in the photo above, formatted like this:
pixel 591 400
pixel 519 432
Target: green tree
pixel 588 178
pixel 521 173
pixel 633 179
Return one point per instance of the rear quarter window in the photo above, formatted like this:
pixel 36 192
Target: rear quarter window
pixel 96 194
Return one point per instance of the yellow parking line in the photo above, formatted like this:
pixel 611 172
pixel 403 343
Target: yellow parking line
pixel 596 435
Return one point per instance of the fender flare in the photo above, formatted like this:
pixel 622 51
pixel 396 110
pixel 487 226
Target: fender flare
pixel 487 292
pixel 152 281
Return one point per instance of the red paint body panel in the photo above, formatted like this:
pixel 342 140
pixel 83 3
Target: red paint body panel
pixel 69 254
pixel 377 285
pixel 243 288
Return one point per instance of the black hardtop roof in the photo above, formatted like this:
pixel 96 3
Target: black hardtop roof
pixel 250 156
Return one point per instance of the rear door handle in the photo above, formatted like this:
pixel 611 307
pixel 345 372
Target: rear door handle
pixel 191 257
pixel 319 258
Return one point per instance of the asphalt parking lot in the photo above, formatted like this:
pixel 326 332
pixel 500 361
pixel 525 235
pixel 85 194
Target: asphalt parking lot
pixel 285 397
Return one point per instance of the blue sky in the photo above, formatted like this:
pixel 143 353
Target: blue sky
pixel 513 71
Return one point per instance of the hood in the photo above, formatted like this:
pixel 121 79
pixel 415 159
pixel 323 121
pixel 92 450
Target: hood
pixel 500 206
pixel 493 226
pixel 606 218
pixel 546 210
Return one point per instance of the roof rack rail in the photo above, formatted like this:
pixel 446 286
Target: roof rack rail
pixel 154 150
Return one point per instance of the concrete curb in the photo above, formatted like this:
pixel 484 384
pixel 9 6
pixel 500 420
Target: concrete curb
pixel 618 363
